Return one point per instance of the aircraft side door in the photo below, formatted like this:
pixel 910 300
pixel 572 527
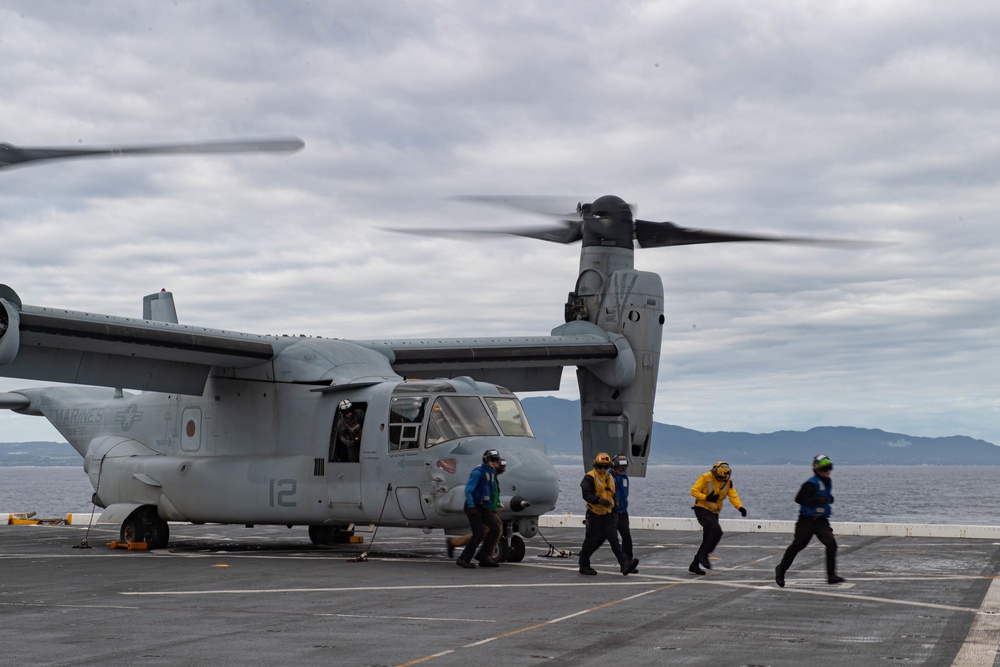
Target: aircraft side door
pixel 343 467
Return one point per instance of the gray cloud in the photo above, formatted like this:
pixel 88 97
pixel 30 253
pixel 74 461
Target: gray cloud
pixel 848 120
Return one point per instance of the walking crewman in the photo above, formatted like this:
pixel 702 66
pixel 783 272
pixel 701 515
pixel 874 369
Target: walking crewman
pixel 814 499
pixel 619 471
pixel 599 491
pixel 483 521
pixel 710 491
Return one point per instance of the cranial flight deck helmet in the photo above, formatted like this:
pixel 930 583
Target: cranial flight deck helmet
pixel 722 471
pixel 822 463
pixel 621 462
pixel 491 455
pixel 602 460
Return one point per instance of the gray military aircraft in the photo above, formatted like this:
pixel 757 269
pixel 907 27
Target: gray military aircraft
pixel 241 428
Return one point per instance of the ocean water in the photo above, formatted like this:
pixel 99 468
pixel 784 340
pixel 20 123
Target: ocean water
pixel 890 494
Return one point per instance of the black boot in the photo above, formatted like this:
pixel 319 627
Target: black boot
pixel 779 576
pixel 630 566
pixel 834 579
pixel 694 569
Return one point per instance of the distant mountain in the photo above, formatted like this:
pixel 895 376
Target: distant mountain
pixel 556 422
pixel 39 454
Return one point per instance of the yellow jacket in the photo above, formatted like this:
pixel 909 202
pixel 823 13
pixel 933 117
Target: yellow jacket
pixel 598 486
pixel 706 484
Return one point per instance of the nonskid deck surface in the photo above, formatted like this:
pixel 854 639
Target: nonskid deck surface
pixel 266 596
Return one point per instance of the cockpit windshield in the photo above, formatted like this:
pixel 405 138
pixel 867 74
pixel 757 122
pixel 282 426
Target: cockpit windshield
pixel 510 416
pixel 454 417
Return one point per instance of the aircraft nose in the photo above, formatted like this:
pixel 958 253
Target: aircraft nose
pixel 531 477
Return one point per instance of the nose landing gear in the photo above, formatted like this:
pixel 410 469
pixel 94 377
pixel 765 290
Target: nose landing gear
pixel 510 548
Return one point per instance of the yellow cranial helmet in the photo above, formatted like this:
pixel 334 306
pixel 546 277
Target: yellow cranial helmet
pixel 721 470
pixel 602 460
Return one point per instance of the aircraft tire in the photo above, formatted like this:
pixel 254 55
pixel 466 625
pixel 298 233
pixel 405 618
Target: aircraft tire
pixel 500 553
pixel 144 525
pixel 157 531
pixel 132 530
pixel 329 535
pixel 516 552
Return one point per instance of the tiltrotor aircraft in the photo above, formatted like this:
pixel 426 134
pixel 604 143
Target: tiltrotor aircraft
pixel 241 428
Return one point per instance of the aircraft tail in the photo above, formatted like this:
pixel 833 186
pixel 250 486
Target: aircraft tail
pixel 159 307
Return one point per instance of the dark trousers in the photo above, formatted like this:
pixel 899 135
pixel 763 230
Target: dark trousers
pixel 805 528
pixel 625 533
pixel 601 527
pixel 711 530
pixel 486 529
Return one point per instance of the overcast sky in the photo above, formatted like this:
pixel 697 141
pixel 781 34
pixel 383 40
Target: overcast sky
pixel 857 120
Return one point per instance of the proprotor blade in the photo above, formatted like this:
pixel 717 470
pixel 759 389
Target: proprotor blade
pixel 11 155
pixel 663 234
pixel 569 231
pixel 555 206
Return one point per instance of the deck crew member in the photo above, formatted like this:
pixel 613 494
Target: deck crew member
pixel 814 499
pixel 710 492
pixel 599 491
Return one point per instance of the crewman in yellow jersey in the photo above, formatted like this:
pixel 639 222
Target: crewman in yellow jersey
pixel 710 491
pixel 599 491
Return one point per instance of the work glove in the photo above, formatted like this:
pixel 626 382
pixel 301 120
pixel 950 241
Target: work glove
pixel 711 497
pixel 830 500
pixel 606 502
pixel 743 511
pixel 470 509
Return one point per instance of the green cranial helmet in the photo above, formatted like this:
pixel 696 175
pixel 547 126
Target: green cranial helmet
pixel 822 463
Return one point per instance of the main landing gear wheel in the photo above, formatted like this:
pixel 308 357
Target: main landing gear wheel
pixel 145 525
pixel 329 535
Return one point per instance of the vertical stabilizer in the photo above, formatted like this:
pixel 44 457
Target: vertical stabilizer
pixel 159 307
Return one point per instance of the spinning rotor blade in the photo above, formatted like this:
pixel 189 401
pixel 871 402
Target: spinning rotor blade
pixel 663 234
pixel 569 232
pixel 609 220
pixel 557 207
pixel 12 156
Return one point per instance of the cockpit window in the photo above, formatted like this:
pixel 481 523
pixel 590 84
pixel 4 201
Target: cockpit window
pixel 458 417
pixel 511 417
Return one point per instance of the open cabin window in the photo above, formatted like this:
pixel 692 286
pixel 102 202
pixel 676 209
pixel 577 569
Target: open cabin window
pixel 406 415
pixel 458 417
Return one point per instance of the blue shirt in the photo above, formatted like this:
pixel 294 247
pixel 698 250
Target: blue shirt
pixel 479 488
pixel 621 491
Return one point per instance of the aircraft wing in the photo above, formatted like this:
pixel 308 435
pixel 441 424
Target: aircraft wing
pixel 59 345
pixel 531 363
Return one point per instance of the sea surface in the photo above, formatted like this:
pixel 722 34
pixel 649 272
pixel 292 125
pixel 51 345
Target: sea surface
pixel 882 494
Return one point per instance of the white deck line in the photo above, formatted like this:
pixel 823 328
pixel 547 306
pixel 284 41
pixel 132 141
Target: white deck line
pixel 771 526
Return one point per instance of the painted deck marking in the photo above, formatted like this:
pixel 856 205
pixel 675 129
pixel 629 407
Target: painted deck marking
pixel 983 641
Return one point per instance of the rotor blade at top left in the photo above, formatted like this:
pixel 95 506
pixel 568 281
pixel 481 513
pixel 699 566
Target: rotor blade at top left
pixel 16 156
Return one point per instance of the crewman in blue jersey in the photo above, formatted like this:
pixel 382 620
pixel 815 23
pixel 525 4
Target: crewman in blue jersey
pixel 619 470
pixel 483 520
pixel 814 499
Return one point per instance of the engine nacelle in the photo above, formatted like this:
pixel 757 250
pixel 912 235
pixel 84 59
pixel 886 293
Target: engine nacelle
pixel 617 407
pixel 10 325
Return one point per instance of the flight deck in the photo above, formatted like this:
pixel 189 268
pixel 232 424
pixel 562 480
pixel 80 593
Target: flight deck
pixel 267 596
